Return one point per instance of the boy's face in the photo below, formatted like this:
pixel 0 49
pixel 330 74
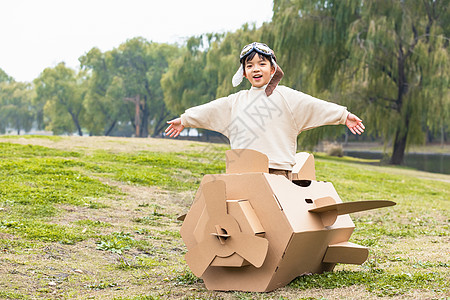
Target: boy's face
pixel 258 71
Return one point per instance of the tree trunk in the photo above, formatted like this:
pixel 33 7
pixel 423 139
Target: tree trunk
pixel 108 131
pixel 399 147
pixel 80 133
pixel 401 133
pixel 401 136
pixel 144 120
pixel 77 125
pixel 76 122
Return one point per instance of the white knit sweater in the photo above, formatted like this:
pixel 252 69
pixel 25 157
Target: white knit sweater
pixel 251 120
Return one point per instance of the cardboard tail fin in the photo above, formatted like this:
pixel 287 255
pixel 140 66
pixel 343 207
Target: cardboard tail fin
pixel 346 253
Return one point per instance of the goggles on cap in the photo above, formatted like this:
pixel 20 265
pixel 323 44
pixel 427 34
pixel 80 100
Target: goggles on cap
pixel 264 50
pixel 258 47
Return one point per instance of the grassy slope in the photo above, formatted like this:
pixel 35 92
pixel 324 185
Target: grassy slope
pixel 96 217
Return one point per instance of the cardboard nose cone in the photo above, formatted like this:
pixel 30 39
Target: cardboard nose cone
pixel 248 230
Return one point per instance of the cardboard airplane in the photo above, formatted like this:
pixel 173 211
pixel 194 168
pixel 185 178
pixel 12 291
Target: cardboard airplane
pixel 249 230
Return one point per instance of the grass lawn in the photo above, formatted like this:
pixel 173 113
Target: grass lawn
pixel 95 218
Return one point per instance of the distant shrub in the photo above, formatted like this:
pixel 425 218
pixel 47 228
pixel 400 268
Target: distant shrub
pixel 335 150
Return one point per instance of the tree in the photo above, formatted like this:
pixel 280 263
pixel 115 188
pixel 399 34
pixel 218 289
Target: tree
pixel 398 48
pixel 380 57
pixel 103 103
pixel 62 91
pixel 141 65
pixel 125 85
pixel 16 110
pixel 309 38
pixel 5 77
pixel 186 82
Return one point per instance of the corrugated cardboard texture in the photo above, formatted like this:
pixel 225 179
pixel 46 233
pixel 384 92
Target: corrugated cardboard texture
pixel 248 222
pixel 221 235
pixel 254 188
pixel 304 168
pixel 297 200
pixel 351 207
pixel 246 161
pixel 346 253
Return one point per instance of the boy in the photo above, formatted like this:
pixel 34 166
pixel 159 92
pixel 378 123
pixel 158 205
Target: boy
pixel 267 118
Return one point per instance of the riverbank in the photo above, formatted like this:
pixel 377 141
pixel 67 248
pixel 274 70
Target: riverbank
pixel 380 147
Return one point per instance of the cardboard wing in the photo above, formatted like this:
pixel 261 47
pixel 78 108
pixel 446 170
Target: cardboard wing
pixel 328 209
pixel 351 207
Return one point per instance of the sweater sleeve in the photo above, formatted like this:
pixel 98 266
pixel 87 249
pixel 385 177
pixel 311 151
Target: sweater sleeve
pixel 214 115
pixel 310 112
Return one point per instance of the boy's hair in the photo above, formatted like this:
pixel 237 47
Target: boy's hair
pixel 252 54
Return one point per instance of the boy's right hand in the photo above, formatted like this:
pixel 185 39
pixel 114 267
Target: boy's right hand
pixel 175 127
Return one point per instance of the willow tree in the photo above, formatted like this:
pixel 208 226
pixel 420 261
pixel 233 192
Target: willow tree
pixel 16 109
pixel 386 59
pixel 126 85
pixel 188 82
pixel 400 56
pixel 5 77
pixel 62 90
pixel 104 102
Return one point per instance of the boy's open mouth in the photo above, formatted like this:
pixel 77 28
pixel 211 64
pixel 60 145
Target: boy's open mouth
pixel 257 76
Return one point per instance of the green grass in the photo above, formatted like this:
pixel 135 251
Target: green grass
pixel 11 295
pixel 43 231
pixel 34 180
pixel 173 171
pixel 418 200
pixel 119 210
pixel 375 281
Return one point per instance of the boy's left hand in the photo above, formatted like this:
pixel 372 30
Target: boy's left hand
pixel 175 127
pixel 354 124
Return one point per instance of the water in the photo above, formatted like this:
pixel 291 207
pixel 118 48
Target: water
pixel 430 162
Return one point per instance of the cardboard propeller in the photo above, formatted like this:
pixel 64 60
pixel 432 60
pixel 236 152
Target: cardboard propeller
pixel 222 236
pixel 328 209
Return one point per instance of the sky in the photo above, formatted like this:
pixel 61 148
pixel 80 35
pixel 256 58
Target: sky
pixel 36 34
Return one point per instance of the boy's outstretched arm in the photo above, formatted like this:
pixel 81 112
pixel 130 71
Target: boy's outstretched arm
pixel 354 124
pixel 175 127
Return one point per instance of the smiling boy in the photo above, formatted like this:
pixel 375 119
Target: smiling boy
pixel 267 118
